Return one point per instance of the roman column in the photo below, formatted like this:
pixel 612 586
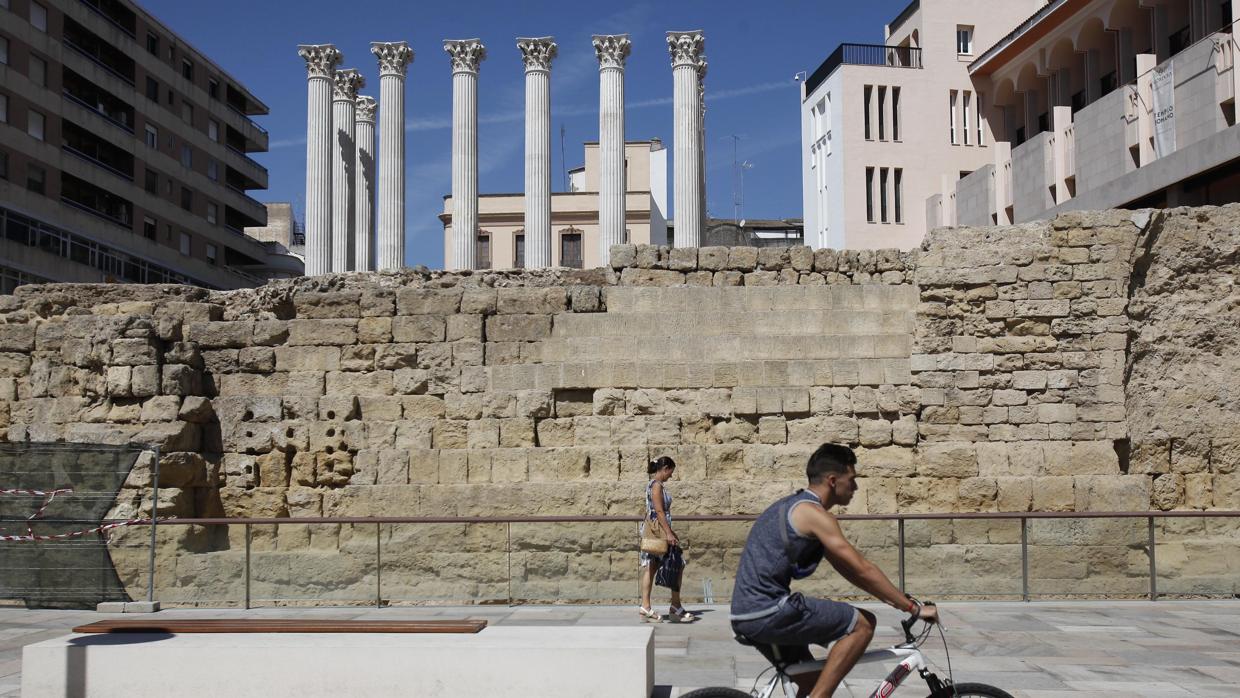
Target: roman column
pixel 344 114
pixel 686 51
pixel 466 55
pixel 364 172
pixel 611 50
pixel 701 146
pixel 537 55
pixel 394 59
pixel 321 60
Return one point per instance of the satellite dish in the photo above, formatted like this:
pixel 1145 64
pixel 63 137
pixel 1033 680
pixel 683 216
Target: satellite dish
pixel 742 223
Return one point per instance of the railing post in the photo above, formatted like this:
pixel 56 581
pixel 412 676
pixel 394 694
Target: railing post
pixel 378 569
pixel 247 566
pixel 150 587
pixel 508 548
pixel 900 551
pixel 1153 564
pixel 1024 558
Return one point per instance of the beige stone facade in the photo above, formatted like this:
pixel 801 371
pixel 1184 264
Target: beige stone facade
pixel 1078 365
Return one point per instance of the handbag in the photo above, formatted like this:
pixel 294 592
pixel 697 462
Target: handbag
pixel 653 540
pixel 673 567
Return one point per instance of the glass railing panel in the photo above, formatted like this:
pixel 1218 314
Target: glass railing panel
pixel 453 563
pixel 197 565
pixel 1197 557
pixel 313 564
pixel 1088 557
pixel 962 558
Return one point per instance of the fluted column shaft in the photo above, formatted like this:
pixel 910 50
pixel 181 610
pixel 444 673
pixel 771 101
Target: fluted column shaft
pixel 364 201
pixel 686 49
pixel 394 59
pixel 321 63
pixel 343 163
pixel 466 56
pixel 611 51
pixel 537 55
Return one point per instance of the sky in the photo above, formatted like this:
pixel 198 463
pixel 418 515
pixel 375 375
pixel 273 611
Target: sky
pixel 754 50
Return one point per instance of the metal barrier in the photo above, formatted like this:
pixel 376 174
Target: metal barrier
pixel 901 519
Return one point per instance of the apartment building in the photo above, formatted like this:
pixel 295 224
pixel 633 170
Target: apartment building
pixel 574 213
pixel 885 126
pixel 1102 104
pixel 124 153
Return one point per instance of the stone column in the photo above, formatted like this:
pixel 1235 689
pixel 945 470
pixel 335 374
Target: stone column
pixel 466 55
pixel 537 55
pixel 321 60
pixel 344 114
pixel 364 202
pixel 394 58
pixel 701 144
pixel 686 50
pixel 611 50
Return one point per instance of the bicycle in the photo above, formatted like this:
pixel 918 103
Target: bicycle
pixel 910 660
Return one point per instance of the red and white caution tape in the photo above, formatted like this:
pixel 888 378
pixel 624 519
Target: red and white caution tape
pixel 48 496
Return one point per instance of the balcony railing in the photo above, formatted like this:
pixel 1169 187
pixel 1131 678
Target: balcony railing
pixel 95 109
pixel 247 119
pixel 99 11
pixel 117 220
pixel 865 54
pixel 249 160
pixel 96 162
pixel 95 59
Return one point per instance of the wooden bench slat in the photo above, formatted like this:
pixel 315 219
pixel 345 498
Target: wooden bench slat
pixel 281 625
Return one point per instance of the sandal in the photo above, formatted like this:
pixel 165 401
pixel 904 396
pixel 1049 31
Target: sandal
pixel 648 615
pixel 678 614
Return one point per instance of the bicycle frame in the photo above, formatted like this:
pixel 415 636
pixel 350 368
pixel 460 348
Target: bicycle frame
pixel 910 659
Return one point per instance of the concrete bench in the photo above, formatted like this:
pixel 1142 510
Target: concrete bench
pixel 263 658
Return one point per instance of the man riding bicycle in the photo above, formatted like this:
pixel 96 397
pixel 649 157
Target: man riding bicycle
pixel 787 542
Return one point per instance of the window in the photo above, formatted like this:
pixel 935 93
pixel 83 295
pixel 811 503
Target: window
pixel 212 213
pixel 172 53
pixel 869 194
pixel 968 98
pixel 168 186
pixel 518 251
pixel 882 194
pixel 35 125
pixel 185 242
pixel 187 112
pixel 952 108
pixel 151 182
pixel 152 136
pixel 964 39
pixel 38 16
pixel 4 109
pixel 882 108
pixel 570 249
pixel 187 198
pixel 212 253
pixel 866 105
pixel 977 104
pixel 149 227
pixel 152 44
pixel 171 101
pixel 213 130
pixel 187 155
pixel 213 170
pixel 187 69
pixel 4 165
pixel 482 250
pixel 897 194
pixel 36 179
pixel 4 51
pixel 38 71
pixel 152 89
pixel 895 113
pixel 213 88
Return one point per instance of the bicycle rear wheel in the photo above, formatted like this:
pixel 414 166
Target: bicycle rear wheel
pixel 978 690
pixel 717 692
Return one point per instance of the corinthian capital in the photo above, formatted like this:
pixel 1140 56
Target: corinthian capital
pixel 537 53
pixel 366 108
pixel 466 54
pixel 346 85
pixel 394 56
pixel 612 50
pixel 321 59
pixel 686 47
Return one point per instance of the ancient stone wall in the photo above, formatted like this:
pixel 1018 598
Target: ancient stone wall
pixel 1078 365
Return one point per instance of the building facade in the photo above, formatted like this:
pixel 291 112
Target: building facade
pixel 124 153
pixel 1105 104
pixel 884 126
pixel 500 242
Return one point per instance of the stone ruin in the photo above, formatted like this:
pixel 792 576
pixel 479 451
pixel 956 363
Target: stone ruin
pixel 1084 364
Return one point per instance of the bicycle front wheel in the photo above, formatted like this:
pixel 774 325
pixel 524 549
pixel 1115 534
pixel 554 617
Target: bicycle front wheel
pixel 978 690
pixel 717 692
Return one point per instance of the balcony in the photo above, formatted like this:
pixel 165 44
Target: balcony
pixel 114 12
pixel 864 54
pixel 98 51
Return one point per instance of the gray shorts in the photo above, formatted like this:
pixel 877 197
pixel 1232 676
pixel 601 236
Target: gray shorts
pixel 801 621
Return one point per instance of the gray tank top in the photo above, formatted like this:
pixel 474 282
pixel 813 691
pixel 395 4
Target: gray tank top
pixel 774 555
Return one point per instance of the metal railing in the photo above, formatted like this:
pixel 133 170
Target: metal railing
pixel 97 61
pixel 864 54
pixel 1149 544
pixel 246 118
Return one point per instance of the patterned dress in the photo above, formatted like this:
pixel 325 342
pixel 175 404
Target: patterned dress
pixel 647 558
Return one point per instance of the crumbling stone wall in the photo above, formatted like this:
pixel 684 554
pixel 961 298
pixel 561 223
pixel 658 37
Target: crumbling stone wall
pixel 985 372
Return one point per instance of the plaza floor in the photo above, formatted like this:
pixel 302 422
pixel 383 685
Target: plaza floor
pixel 1032 650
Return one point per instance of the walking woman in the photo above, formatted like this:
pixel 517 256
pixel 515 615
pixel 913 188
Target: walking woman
pixel 659 508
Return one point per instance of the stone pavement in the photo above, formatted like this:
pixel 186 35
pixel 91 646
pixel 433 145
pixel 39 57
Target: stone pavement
pixel 1032 650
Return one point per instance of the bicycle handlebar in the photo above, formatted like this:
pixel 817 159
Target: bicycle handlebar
pixel 908 623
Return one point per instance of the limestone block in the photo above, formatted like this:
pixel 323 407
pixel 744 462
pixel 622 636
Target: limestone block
pixel 273 469
pixel 531 301
pixel 889 461
pixel 742 258
pixel 1112 492
pixel 269 332
pixel 1227 491
pixel 947 461
pixel 1167 491
pixel 517 433
pixel 609 401
pixel 904 431
pixel 145 381
pixel 712 258
pixel 735 431
pixel 127 352
pixel 118 381
pixel 651 277
pixel 321 358
pixel 728 278
pixel 329 304
pixel 801 258
pixel 357 358
pixel 1014 493
pixel 651 257
pixel 410 381
pixel 395 356
pixel 372 383
pixel 220 335
pixel 171 436
pixel 518 328
pixel 176 379
pixel 418 328
pixel 374 330
pixel 450 434
pixel 1054 493
pixel 927 494
pixel 978 494
pixel 478 300
pixel 1190 455
pixel 772 430
pixel 252 360
pixel 423 466
pixel 161 408
pixel 558 464
pixel 482 433
pixel 384 409
pixel 818 430
pixel 623 256
pixel 874 433
pixel 1002 398
pixel 1198 491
